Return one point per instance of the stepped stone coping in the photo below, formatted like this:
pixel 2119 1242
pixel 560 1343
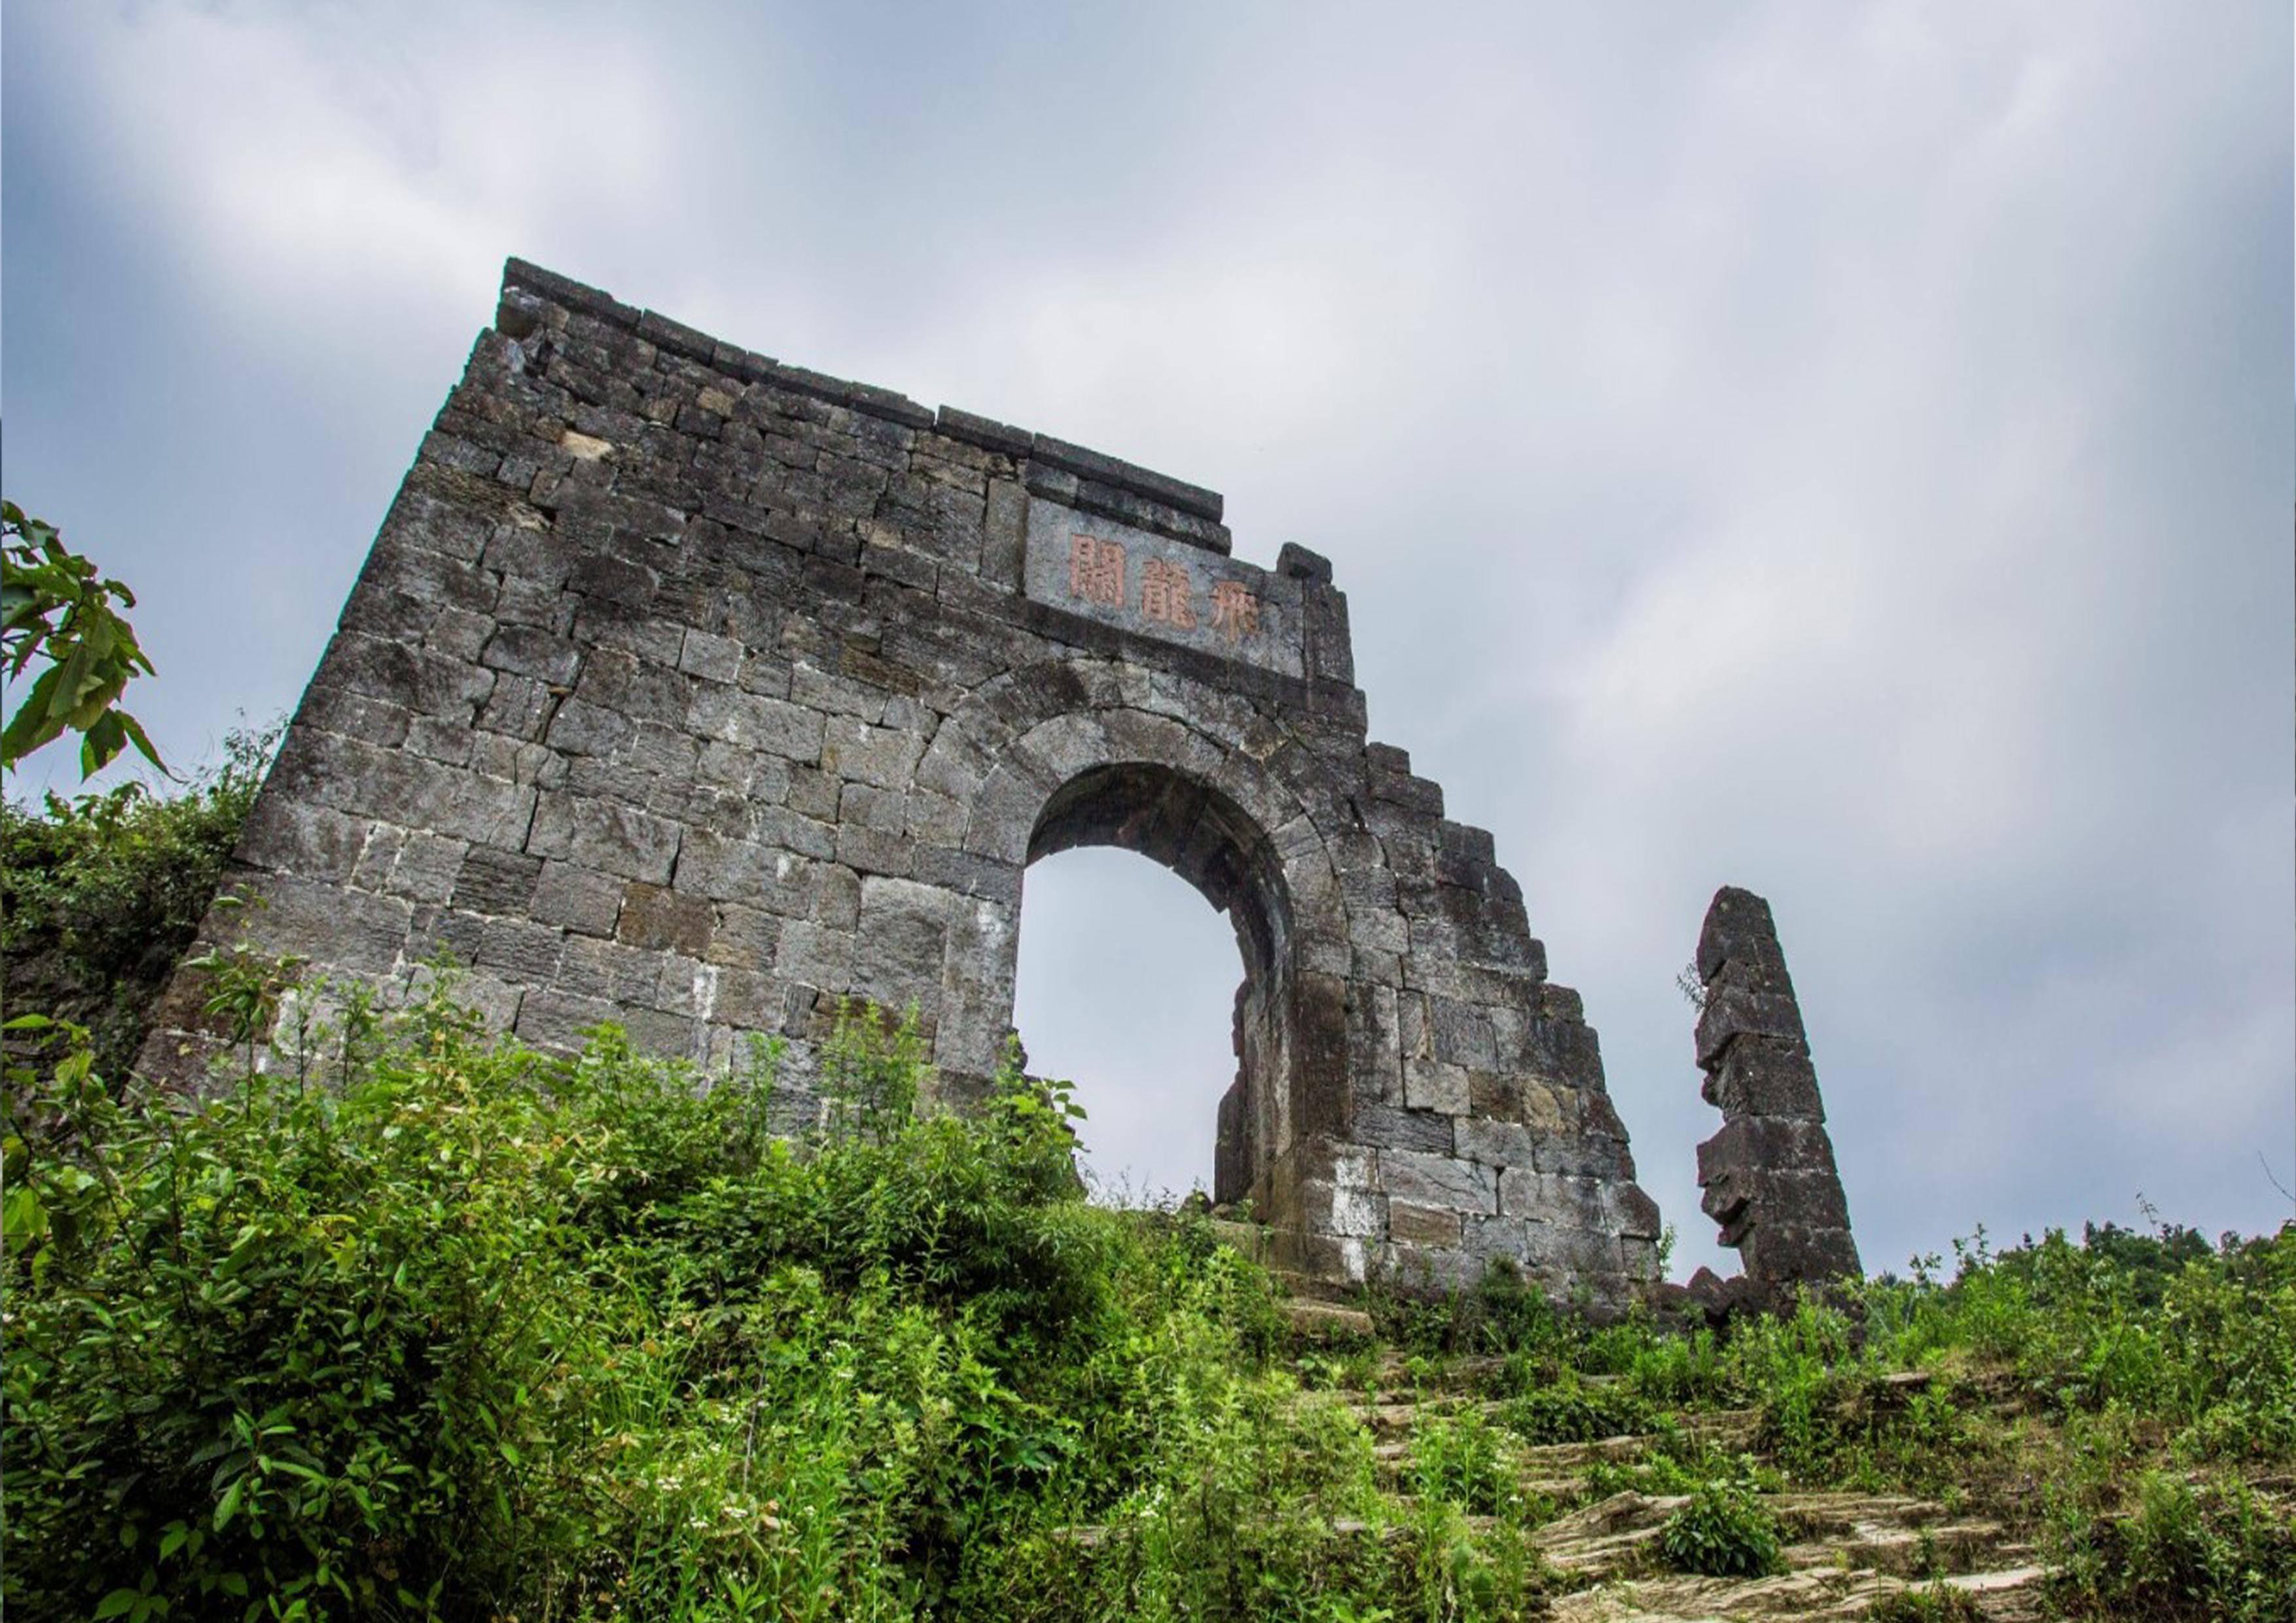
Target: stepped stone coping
pixel 678 339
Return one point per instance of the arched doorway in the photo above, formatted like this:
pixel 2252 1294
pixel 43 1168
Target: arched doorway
pixel 1202 835
pixel 1127 988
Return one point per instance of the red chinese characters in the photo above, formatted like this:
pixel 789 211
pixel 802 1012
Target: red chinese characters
pixel 1096 570
pixel 1166 595
pixel 1235 610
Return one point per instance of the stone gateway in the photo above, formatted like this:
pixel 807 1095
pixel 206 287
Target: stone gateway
pixel 691 690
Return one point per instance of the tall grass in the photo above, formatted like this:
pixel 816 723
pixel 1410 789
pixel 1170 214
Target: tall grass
pixel 471 1332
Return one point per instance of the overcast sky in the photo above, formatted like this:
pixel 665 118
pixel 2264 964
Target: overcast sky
pixel 1840 450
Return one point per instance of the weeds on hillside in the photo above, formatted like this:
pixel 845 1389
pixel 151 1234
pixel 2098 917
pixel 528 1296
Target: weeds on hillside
pixel 100 894
pixel 471 1332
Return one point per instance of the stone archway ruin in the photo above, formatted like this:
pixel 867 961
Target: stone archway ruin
pixel 698 692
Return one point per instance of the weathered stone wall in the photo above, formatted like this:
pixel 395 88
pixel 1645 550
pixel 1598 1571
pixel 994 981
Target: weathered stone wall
pixel 1768 1175
pixel 690 690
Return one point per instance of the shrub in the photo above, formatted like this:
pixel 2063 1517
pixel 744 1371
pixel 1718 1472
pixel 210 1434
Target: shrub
pixel 2214 1550
pixel 1935 1603
pixel 1457 1462
pixel 1570 1412
pixel 100 895
pixel 1723 1531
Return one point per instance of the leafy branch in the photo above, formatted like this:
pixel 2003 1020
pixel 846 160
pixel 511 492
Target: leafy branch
pixel 55 608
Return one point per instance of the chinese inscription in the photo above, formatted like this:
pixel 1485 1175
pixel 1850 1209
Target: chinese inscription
pixel 1166 595
pixel 1120 575
pixel 1235 610
pixel 1096 571
pixel 1097 574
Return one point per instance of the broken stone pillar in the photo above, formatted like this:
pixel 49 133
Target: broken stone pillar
pixel 1768 1175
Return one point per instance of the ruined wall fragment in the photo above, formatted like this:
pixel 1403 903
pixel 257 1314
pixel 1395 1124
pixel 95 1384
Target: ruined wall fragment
pixel 1768 1175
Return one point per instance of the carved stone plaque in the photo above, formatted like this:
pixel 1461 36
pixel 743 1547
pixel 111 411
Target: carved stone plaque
pixel 1109 572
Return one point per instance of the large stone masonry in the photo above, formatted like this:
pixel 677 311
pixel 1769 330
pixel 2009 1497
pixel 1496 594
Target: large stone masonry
pixel 693 691
pixel 1768 1177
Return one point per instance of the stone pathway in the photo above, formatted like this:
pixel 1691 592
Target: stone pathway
pixel 1843 1553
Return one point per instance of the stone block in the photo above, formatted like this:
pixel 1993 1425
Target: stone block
pixel 577 898
pixel 1734 1012
pixel 1425 1226
pixel 1628 1212
pixel 1386 1127
pixel 522 952
pixel 1765 1076
pixel 1429 1085
pixel 581 728
pixel 1787 1255
pixel 1761 1144
pixel 1430 1270
pixel 1738 927
pixel 746 937
pixel 1334 1209
pixel 655 917
pixel 530 651
pixel 424 868
pixel 594 968
pixel 495 882
pixel 1463 1034
pixel 756 721
pixel 817 955
pixel 291 836
pixel 884 756
pixel 618 840
pixel 331 925
pixel 1494 1144
pixel 1437 1181
pixel 902 927
pixel 728 868
pixel 554 1021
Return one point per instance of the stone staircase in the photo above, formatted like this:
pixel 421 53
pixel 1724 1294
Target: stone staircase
pixel 1844 1552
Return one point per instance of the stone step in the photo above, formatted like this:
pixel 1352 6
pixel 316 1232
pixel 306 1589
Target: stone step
pixel 1894 1535
pixel 1253 1240
pixel 1325 1322
pixel 1828 1580
pixel 1813 1596
pixel 1305 1287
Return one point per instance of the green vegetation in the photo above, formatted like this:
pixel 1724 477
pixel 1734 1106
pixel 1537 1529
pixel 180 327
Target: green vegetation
pixel 452 1328
pixel 433 1325
pixel 1932 1603
pixel 1724 1532
pixel 57 613
pixel 100 896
